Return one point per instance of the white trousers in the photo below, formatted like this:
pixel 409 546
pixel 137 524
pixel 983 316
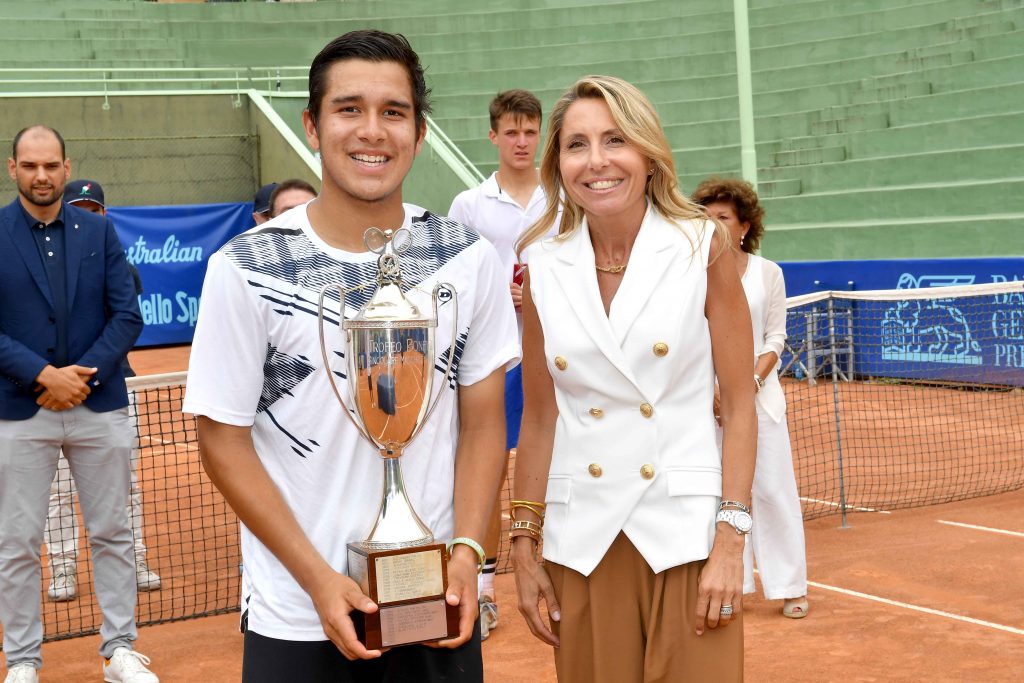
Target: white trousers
pixel 776 543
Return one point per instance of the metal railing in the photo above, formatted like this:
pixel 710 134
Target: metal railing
pixel 111 79
pixel 267 81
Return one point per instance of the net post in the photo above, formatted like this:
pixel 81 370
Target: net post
pixel 812 367
pixel 849 336
pixel 835 404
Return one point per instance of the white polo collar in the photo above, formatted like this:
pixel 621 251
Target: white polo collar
pixel 491 189
pixel 490 186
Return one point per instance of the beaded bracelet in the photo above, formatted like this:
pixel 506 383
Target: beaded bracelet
pixel 470 543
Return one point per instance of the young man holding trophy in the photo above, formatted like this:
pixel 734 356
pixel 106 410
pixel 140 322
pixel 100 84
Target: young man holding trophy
pixel 299 403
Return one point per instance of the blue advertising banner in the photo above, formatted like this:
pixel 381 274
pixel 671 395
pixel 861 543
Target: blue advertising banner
pixel 974 340
pixel 170 246
pixel 804 277
pixel 977 339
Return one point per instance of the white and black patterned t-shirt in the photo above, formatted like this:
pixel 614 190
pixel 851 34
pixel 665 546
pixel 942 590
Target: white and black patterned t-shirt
pixel 256 360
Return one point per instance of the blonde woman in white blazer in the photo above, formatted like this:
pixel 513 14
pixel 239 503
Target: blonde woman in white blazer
pixel 628 315
pixel 777 540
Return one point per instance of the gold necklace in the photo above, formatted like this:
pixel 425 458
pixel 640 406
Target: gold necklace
pixel 614 270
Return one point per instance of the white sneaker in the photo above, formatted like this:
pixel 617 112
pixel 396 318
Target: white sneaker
pixel 488 616
pixel 22 673
pixel 128 666
pixel 145 578
pixel 63 584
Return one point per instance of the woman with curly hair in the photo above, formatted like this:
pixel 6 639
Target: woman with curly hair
pixel 777 539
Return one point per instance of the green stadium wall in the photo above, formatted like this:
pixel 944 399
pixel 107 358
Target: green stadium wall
pixel 884 130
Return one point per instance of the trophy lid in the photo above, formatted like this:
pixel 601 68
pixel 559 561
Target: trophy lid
pixel 389 305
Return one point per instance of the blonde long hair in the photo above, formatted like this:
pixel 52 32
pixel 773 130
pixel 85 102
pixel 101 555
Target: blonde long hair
pixel 639 123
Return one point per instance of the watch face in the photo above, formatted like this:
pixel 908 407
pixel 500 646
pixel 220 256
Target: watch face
pixel 744 523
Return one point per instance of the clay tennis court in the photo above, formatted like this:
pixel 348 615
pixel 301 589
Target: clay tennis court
pixel 903 445
pixel 928 593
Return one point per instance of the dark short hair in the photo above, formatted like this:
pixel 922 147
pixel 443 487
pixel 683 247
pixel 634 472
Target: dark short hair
pixel 743 198
pixel 17 139
pixel 290 184
pixel 373 46
pixel 516 102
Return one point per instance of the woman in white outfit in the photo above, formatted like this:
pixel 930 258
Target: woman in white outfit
pixel 628 316
pixel 777 539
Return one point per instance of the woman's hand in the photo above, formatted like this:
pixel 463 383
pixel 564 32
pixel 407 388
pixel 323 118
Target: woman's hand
pixel 721 580
pixel 532 585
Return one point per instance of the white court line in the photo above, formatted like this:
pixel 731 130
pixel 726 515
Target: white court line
pixel 982 528
pixel 848 506
pixel 173 449
pixel 154 439
pixel 917 608
pixel 173 444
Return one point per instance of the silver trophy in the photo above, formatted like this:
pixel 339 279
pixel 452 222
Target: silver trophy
pixel 389 353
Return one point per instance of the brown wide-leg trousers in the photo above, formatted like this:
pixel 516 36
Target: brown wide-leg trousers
pixel 626 624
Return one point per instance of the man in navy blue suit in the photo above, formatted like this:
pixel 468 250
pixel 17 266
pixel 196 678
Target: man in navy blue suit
pixel 68 315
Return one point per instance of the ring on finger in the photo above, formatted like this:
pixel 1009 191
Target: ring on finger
pixel 726 611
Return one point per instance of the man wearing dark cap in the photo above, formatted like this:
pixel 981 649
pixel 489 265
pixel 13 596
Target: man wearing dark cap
pixel 86 194
pixel 61 521
pixel 261 205
pixel 68 315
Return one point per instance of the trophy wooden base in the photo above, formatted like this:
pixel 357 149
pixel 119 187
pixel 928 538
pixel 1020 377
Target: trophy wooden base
pixel 408 586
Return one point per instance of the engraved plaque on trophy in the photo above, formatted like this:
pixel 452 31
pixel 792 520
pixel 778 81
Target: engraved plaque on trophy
pixel 390 368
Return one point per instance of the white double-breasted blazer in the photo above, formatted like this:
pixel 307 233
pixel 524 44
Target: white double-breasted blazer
pixel 634 445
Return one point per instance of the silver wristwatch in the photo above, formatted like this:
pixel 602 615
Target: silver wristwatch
pixel 739 520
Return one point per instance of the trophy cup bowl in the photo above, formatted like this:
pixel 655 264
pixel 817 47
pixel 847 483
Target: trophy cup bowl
pixel 390 369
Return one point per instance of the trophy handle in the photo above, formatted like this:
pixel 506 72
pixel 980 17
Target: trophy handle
pixel 451 351
pixel 326 358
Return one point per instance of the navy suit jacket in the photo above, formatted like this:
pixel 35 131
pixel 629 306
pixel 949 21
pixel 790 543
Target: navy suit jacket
pixel 103 311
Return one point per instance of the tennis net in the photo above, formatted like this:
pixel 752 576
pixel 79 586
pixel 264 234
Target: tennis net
pixel 895 398
pixel 188 532
pixel 902 398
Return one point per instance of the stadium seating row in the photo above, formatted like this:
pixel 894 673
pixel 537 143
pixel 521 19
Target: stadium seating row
pixel 884 116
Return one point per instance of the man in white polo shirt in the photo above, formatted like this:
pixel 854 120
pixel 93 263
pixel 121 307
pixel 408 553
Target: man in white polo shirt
pixel 501 208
